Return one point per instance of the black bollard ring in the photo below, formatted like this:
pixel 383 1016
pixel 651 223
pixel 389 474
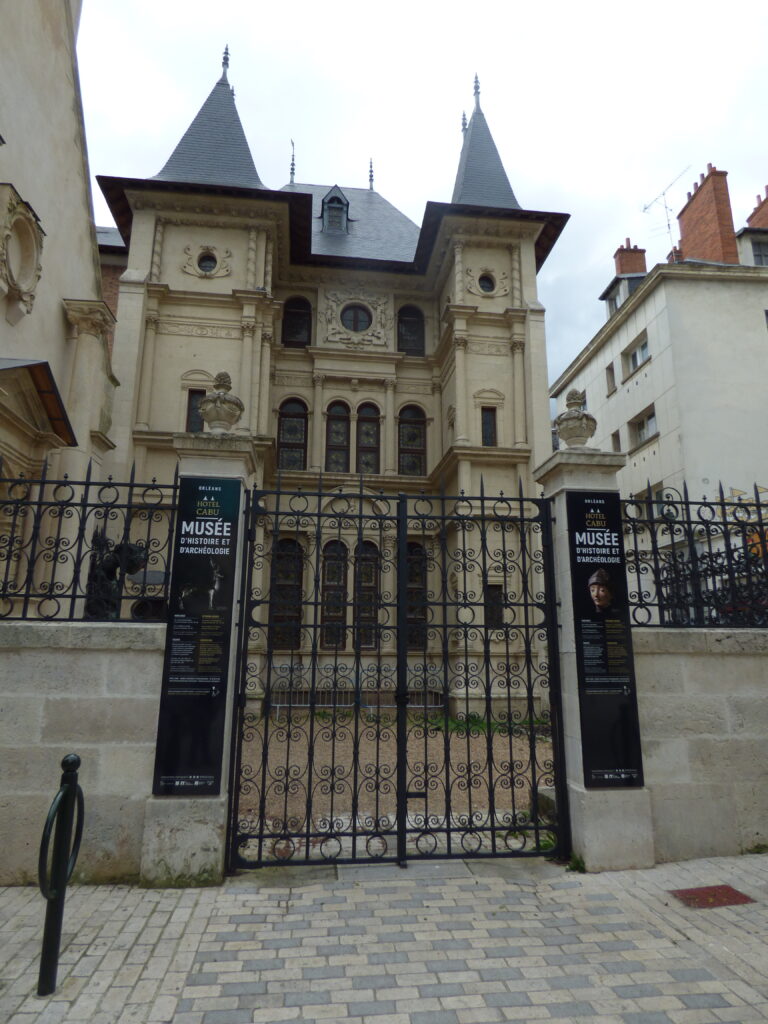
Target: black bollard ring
pixel 42 863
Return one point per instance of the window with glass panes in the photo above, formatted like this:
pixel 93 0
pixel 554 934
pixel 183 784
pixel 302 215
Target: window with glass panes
pixel 195 421
pixel 493 600
pixel 334 595
pixel 488 419
pixel 292 435
pixel 367 439
pixel 416 601
pixel 366 594
pixel 337 438
pixel 285 598
pixel 412 442
pixel 297 323
pixel 410 331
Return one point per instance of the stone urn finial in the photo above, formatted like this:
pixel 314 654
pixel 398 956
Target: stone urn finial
pixel 219 409
pixel 575 426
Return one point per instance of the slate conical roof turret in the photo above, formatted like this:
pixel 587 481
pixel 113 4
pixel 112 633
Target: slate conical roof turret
pixel 214 150
pixel 481 179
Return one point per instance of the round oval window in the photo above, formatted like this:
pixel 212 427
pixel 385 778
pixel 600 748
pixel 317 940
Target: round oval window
pixel 356 318
pixel 486 282
pixel 206 262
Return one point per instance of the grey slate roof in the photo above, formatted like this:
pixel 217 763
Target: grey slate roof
pixel 481 179
pixel 109 236
pixel 214 150
pixel 376 230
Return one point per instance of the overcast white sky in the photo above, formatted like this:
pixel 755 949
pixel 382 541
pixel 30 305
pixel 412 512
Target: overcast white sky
pixel 595 107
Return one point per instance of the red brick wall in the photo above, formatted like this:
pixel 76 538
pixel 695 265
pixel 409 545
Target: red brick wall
pixel 110 284
pixel 629 259
pixel 706 221
pixel 759 216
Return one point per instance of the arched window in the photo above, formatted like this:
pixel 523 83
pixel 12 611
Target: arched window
pixel 337 438
pixel 292 435
pixel 366 594
pixel 334 596
pixel 285 603
pixel 297 323
pixel 367 439
pixel 412 441
pixel 410 331
pixel 416 609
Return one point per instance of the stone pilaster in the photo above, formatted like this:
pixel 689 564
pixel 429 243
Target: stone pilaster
pixel 612 829
pixel 390 428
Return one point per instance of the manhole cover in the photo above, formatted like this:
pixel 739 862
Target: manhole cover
pixel 711 896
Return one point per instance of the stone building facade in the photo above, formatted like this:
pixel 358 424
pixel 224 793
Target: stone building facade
pixel 357 341
pixel 56 380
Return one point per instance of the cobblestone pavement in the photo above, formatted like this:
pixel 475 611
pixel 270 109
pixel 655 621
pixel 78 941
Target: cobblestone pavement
pixel 438 943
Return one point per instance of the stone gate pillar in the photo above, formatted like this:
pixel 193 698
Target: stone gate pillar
pixel 611 827
pixel 184 841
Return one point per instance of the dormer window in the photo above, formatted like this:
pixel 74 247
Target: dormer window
pixel 335 211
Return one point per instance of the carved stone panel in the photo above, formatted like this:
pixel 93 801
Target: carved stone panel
pixel 207 261
pixel 377 335
pixel 21 247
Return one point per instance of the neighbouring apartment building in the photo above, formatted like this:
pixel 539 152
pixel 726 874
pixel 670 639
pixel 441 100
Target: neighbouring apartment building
pixel 56 381
pixel 675 375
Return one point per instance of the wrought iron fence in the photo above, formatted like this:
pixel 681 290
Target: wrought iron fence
pixel 398 680
pixel 697 563
pixel 89 550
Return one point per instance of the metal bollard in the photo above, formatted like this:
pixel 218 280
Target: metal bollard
pixel 63 861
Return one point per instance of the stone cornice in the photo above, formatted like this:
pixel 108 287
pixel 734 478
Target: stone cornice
pixel 89 316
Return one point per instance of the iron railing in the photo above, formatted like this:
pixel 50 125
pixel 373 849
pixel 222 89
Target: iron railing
pixel 85 550
pixel 697 563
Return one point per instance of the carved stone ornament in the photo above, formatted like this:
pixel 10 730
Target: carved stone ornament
pixel 207 261
pixel 21 247
pixel 376 336
pixel 220 410
pixel 501 282
pixel 575 426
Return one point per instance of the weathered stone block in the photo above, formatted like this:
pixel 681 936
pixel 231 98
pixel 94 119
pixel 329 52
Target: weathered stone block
pixel 20 717
pixel 683 715
pixel 657 673
pixel 118 720
pixel 21 826
pixel 184 841
pixel 111 849
pixel 748 715
pixel 612 829
pixel 127 770
pixel 664 759
pixel 729 759
pixel 751 800
pixel 694 820
pixel 37 768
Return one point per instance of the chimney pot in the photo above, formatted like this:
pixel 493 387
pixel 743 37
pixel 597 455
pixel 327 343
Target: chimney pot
pixel 709 169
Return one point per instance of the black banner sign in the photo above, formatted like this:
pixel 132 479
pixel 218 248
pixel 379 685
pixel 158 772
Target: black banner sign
pixel 610 731
pixel 190 733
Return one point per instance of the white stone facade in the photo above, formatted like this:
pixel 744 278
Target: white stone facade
pixel 674 378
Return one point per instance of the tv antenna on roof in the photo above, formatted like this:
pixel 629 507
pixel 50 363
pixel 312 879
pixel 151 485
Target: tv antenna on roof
pixel 662 197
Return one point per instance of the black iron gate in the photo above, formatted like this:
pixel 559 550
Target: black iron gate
pixel 398 686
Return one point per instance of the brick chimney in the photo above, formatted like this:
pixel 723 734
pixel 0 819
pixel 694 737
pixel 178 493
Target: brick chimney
pixel 629 259
pixel 706 221
pixel 759 216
